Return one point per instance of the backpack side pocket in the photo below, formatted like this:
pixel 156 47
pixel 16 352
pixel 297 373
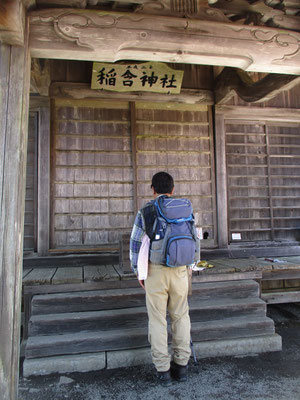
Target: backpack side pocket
pixel 180 251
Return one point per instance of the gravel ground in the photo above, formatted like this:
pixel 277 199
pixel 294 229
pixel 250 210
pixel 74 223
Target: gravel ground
pixel 270 376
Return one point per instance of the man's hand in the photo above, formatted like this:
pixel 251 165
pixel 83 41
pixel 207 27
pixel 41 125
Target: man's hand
pixel 142 283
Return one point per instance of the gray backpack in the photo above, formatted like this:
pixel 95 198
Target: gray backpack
pixel 174 240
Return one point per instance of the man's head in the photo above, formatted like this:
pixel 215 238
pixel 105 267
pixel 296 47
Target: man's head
pixel 162 183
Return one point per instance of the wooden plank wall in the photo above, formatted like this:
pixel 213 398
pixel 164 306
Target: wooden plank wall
pixel 80 173
pixel 92 185
pixel 247 174
pixel 263 171
pixel 284 150
pixel 177 138
pixel 31 186
pixel 93 179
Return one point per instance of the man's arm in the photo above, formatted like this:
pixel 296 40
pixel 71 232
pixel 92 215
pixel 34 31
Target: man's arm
pixel 137 234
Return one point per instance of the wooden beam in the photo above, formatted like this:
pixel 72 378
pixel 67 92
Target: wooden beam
pixel 259 113
pixel 110 36
pixel 244 6
pixel 83 91
pixel 281 297
pixel 291 22
pixel 232 81
pixel 188 9
pixel 12 22
pixel 63 3
pixel 231 276
pixel 281 274
pixel 14 89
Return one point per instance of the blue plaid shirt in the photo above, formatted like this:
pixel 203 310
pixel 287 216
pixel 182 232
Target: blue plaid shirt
pixel 137 234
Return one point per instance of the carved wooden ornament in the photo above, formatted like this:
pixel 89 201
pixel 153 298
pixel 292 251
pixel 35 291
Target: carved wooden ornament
pixel 109 37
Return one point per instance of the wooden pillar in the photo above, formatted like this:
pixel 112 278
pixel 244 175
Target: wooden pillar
pixel 43 225
pixel 221 179
pixel 14 94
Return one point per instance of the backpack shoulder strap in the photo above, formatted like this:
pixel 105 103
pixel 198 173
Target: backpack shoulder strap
pixel 150 216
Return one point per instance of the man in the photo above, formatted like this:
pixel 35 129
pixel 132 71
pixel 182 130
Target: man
pixel 166 288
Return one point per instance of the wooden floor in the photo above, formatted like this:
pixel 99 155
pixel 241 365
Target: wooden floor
pixel 73 275
pixel 275 269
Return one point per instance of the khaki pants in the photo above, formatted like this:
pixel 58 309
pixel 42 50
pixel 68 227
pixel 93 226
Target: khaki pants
pixel 167 288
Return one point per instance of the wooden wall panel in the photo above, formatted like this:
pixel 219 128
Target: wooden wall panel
pixel 92 173
pixel 247 174
pixel 284 142
pixel 95 146
pixel 177 139
pixel 263 172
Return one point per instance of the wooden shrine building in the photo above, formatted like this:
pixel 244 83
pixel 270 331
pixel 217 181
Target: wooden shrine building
pixel 77 161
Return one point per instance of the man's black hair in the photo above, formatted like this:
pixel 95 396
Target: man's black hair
pixel 162 182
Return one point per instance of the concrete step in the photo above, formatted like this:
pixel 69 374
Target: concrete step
pixel 134 297
pixel 96 361
pixel 129 338
pixel 137 316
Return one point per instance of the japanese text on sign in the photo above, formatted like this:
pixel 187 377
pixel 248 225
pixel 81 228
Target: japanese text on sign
pixel 150 77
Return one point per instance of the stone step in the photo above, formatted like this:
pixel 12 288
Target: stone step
pixel 131 338
pixel 133 297
pixel 137 316
pixel 87 362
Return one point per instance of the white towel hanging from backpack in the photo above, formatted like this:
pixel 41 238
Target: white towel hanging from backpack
pixel 143 258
